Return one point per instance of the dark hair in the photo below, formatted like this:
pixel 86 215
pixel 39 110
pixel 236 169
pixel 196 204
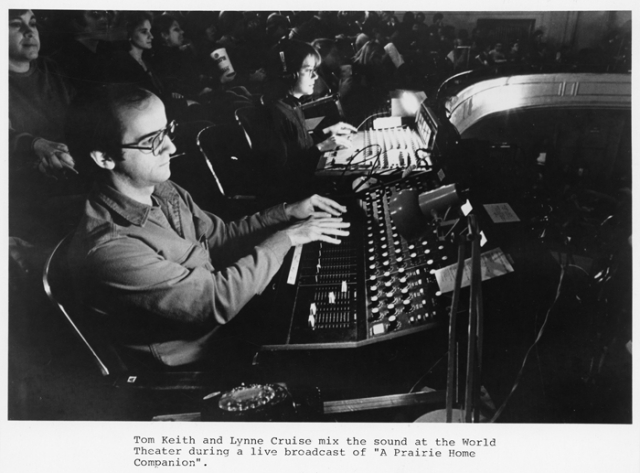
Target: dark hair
pixel 286 58
pixel 93 122
pixel 228 20
pixel 324 45
pixel 197 22
pixel 275 19
pixel 365 55
pixel 284 62
pixel 409 17
pixel 133 19
pixel 162 23
pixel 75 19
pixel 17 13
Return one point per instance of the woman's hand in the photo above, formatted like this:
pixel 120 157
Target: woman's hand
pixel 317 229
pixel 333 142
pixel 53 158
pixel 340 129
pixel 258 76
pixel 314 206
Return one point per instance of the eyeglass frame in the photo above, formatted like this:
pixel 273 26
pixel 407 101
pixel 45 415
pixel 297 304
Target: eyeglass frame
pixel 309 71
pixel 168 130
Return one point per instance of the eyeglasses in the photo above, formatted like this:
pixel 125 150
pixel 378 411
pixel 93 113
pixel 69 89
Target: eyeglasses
pixel 309 71
pixel 154 142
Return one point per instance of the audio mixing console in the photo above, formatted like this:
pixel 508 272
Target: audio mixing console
pixel 407 144
pixel 374 286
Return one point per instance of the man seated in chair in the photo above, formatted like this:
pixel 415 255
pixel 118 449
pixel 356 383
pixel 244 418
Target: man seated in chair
pixel 157 272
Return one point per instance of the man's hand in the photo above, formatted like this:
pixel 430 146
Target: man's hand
pixel 340 129
pixel 314 206
pixel 53 158
pixel 317 229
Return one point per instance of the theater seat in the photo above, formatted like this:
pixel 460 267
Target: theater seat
pixel 110 361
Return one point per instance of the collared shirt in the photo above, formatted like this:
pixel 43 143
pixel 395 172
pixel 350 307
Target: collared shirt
pixel 170 272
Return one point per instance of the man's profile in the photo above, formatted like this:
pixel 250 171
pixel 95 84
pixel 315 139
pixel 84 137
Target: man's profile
pixel 163 274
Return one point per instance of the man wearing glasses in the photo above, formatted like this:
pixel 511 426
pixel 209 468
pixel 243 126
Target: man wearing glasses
pixel 164 274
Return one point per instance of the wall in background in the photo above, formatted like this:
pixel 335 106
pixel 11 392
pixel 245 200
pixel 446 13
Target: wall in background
pixel 578 29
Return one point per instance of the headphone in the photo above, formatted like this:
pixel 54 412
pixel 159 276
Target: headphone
pixel 290 77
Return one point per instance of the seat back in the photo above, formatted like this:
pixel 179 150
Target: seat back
pixel 253 120
pixel 56 281
pixel 228 159
pixel 150 376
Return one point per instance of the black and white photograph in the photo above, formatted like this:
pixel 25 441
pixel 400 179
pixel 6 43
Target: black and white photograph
pixel 330 237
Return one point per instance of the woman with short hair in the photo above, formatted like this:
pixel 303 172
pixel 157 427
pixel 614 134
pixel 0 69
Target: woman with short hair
pixel 293 150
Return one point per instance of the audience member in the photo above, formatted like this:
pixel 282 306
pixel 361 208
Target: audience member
pixel 41 168
pixel 497 54
pixel 334 70
pixel 83 54
pixel 173 61
pixel 277 28
pixel 40 91
pixel 372 78
pixel 134 66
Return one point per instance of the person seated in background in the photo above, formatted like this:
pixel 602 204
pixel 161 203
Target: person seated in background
pixel 515 53
pixel 359 42
pixel 277 27
pixel 174 61
pixel 202 29
pixel 163 274
pixel 497 54
pixel 321 24
pixel 435 30
pixel 483 58
pixel 219 99
pixel 83 54
pixel 41 168
pixel 243 43
pixel 334 71
pixel 372 75
pixel 292 151
pixel 135 67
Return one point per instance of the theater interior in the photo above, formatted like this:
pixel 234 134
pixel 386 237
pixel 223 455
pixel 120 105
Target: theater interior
pixel 520 163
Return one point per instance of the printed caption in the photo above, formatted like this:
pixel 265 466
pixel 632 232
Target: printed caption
pixel 192 452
